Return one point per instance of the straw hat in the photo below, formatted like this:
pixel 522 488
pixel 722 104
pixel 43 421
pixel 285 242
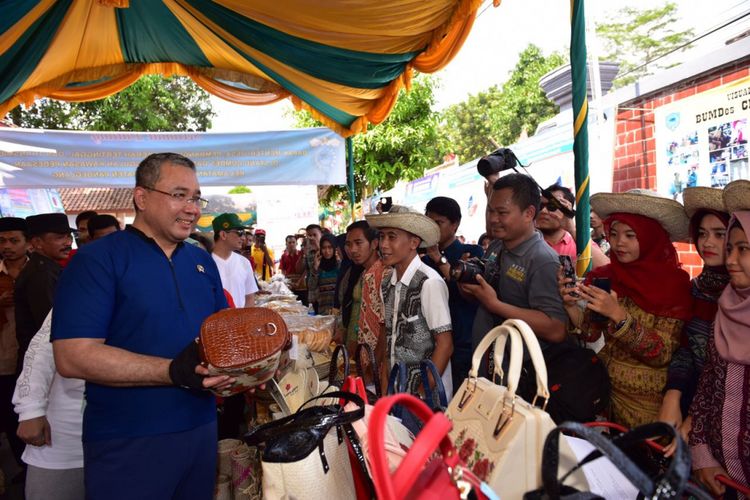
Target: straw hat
pixel 737 196
pixel 669 213
pixel 702 198
pixel 409 220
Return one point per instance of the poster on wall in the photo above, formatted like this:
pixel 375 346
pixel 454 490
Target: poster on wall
pixel 702 140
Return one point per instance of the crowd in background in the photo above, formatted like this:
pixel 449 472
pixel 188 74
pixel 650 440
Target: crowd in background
pixel 634 341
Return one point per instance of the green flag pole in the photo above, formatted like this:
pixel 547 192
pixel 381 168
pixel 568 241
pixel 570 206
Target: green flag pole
pixel 350 170
pixel 580 135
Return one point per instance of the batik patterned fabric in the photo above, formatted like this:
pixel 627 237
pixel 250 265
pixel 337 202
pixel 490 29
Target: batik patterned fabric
pixel 371 314
pixel 637 356
pixel 409 340
pixel 687 363
pixel 720 435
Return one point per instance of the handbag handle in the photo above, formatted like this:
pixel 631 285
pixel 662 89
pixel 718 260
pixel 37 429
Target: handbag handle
pixel 355 385
pixel 442 398
pixel 738 487
pixel 671 484
pixel 333 369
pixel 432 436
pixel 309 418
pixel 371 357
pixel 499 335
pixel 537 359
pixel 397 376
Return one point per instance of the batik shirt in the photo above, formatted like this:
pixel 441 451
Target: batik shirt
pixel 416 311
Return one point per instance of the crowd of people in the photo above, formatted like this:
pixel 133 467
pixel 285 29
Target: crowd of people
pixel 117 403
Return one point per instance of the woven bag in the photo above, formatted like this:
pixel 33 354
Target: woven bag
pixel 249 344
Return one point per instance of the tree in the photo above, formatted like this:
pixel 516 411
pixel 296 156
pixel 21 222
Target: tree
pixel 152 104
pixel 401 148
pixel 634 37
pixel 502 114
pixel 240 190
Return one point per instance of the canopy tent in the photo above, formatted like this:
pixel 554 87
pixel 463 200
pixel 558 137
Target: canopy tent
pixel 344 61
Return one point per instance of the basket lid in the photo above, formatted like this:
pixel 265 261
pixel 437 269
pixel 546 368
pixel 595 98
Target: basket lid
pixel 235 337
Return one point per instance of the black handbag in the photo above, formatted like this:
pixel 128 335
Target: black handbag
pixel 372 396
pixel 673 483
pixel 294 438
pixel 333 369
pixel 578 383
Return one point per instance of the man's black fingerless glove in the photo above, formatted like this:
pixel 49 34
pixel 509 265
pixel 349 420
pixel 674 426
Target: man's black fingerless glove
pixel 182 368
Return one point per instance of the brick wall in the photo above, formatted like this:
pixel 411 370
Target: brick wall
pixel 635 144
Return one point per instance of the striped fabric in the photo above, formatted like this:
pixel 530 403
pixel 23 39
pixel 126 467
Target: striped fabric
pixel 343 60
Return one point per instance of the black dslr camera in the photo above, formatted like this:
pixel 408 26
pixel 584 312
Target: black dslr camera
pixel 504 159
pixel 466 271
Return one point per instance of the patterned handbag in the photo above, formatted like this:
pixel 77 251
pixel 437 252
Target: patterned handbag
pixel 498 434
pixel 249 344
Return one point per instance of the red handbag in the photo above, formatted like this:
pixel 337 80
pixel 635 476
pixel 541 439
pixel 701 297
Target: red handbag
pixel 419 476
pixel 362 481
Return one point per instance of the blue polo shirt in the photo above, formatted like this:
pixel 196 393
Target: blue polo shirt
pixel 124 289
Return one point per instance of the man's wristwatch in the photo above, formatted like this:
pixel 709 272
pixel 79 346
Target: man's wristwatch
pixel 442 260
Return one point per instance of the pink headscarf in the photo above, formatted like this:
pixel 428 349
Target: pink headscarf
pixel 732 323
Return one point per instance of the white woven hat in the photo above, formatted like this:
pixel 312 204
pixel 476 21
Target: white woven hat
pixel 702 198
pixel 669 213
pixel 408 220
pixel 737 196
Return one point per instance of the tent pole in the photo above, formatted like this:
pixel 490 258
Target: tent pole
pixel 580 135
pixel 350 169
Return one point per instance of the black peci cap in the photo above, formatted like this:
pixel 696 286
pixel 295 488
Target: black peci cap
pixel 12 224
pixel 48 223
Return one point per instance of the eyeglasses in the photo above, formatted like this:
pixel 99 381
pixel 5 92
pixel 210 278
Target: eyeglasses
pixel 551 207
pixel 238 232
pixel 182 198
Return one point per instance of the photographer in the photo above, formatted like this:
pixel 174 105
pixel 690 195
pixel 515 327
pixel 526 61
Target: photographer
pixel 262 256
pixel 520 277
pixel 447 215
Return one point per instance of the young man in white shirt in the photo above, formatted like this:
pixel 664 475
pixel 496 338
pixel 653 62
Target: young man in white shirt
pixel 236 272
pixel 50 411
pixel 417 316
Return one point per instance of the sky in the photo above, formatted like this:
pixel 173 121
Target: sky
pixel 491 49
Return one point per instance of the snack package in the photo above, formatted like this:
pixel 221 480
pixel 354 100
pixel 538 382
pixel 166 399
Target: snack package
pixel 314 331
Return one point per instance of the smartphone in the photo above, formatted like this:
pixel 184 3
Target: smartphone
pixel 604 284
pixel 568 271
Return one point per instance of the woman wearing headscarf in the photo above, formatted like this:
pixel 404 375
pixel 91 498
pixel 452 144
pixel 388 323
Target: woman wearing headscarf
pixel 720 434
pixel 328 271
pixel 643 315
pixel 708 227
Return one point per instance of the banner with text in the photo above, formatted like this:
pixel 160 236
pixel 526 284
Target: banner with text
pixel 702 140
pixel 45 158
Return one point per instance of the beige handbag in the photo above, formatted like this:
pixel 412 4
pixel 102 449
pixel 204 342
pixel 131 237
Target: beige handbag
pixel 498 434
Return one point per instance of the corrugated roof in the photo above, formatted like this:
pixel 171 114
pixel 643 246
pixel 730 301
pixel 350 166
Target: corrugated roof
pixel 100 199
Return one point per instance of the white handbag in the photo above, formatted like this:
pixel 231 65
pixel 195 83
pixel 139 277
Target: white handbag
pixel 306 455
pixel 498 434
pixel 306 479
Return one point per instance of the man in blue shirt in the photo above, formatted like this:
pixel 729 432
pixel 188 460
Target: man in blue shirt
pixel 125 310
pixel 447 215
